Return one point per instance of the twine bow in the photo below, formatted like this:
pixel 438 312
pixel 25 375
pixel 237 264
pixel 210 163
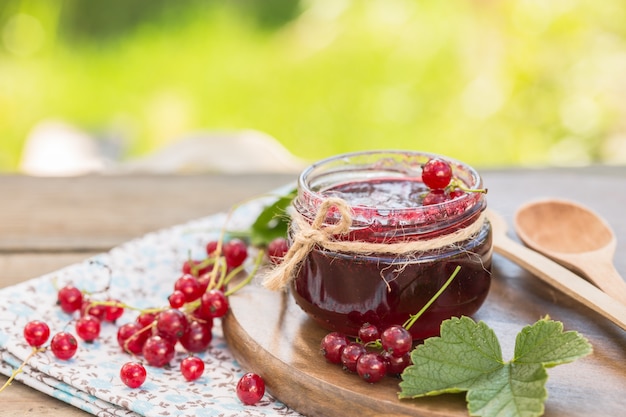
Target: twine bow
pixel 307 235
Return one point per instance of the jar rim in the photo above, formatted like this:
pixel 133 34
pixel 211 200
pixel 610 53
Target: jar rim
pixel 401 164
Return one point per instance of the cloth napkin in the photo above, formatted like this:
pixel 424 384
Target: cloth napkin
pixel 140 273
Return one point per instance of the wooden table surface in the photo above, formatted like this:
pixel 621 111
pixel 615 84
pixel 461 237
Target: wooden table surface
pixel 49 223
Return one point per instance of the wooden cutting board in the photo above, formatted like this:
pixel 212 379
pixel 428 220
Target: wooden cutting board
pixel 269 334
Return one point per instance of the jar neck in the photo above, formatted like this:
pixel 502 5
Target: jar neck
pixel 374 220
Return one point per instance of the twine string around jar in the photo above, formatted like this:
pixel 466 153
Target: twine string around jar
pixel 307 235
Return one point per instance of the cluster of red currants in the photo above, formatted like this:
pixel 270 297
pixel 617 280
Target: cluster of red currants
pixel 198 297
pixel 373 354
pixel 438 176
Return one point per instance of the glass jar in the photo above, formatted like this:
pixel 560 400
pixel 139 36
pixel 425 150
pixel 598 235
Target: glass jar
pixel 341 289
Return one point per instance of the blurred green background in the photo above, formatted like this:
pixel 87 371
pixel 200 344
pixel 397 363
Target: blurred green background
pixel 512 82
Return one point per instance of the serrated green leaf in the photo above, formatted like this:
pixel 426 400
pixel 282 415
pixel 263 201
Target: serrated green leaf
pixel 545 342
pixel 467 357
pixel 453 362
pixel 513 390
pixel 272 222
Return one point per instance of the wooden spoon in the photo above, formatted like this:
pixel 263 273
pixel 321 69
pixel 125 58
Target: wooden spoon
pixel 554 274
pixel 575 237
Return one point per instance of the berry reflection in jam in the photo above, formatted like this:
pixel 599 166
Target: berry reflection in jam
pixel 343 290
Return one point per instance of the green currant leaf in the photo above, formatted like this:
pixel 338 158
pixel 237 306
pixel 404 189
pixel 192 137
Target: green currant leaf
pixel 546 343
pixel 454 362
pixel 467 357
pixel 272 222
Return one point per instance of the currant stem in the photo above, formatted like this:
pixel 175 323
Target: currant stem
pixel 413 318
pixel 20 369
pixel 455 183
pixel 243 283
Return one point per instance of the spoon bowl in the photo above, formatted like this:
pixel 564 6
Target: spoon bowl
pixel 574 236
pixel 555 274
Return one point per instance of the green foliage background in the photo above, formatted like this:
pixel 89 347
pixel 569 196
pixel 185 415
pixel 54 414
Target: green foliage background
pixel 491 82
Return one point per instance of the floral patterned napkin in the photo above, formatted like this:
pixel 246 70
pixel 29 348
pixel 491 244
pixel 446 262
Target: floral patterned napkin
pixel 140 273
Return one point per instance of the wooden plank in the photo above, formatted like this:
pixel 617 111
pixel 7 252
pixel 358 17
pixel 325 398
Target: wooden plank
pixel 19 267
pixel 20 400
pixel 99 212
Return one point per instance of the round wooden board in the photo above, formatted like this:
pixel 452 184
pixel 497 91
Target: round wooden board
pixel 269 334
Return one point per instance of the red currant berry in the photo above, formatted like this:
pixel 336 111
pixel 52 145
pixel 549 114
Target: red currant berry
pixel 250 388
pixel 396 340
pixel 214 303
pixel 113 311
pixel 396 364
pixel 436 174
pixel 211 247
pixel 192 368
pixel 189 286
pixel 63 345
pixel 435 197
pixel 158 351
pixel 133 374
pixel 372 367
pixel 70 298
pixel 131 337
pixel 172 323
pixel 351 354
pixel 332 345
pixel 96 310
pixel 36 333
pixel 235 251
pixel 88 328
pixel 197 337
pixel 456 193
pixel 176 299
pixel 368 333
pixel 194 267
pixel 277 249
pixel 145 319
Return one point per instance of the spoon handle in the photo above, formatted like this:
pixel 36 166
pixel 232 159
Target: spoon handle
pixel 562 279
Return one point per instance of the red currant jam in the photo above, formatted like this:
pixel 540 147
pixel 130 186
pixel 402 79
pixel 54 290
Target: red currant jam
pixel 342 290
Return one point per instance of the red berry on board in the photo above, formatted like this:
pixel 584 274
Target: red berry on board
pixel 371 367
pixel 368 333
pixel 396 364
pixel 36 333
pixel 250 388
pixel 133 374
pixel 88 328
pixel 332 345
pixel 63 345
pixel 396 340
pixel 70 298
pixel 351 354
pixel 192 368
pixel 436 174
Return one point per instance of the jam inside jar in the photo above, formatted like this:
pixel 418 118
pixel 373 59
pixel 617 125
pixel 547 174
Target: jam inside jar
pixel 341 290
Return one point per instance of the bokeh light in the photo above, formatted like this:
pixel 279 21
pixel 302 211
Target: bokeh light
pixel 495 83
